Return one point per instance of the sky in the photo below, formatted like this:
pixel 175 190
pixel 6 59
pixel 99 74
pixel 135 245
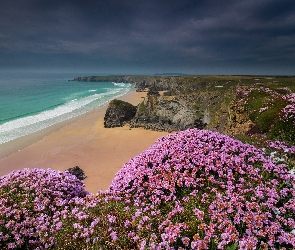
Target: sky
pixel 252 37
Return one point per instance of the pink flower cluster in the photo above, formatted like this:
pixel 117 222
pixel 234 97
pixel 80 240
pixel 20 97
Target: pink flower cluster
pixel 285 89
pixel 32 203
pixel 278 145
pixel 288 112
pixel 263 109
pixel 214 189
pixel 245 91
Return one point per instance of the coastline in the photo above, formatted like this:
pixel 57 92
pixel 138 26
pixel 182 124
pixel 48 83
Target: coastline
pixel 81 141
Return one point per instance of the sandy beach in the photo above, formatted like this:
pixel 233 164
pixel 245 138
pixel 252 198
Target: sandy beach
pixel 82 142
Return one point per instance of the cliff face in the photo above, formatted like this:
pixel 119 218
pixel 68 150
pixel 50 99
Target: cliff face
pixel 238 119
pixel 178 112
pixel 159 83
pixel 175 113
pixel 187 102
pixel 164 113
pixel 209 102
pixel 112 78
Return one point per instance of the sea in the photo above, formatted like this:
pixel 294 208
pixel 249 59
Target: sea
pixel 32 101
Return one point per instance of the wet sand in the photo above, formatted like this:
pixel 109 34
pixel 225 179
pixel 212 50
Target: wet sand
pixel 82 142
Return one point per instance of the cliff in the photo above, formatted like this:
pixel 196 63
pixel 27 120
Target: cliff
pixel 179 112
pixel 184 102
pixel 175 103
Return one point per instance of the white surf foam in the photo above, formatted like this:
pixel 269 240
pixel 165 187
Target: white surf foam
pixel 28 125
pixel 122 84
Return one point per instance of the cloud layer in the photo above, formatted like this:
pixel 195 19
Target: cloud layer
pixel 197 37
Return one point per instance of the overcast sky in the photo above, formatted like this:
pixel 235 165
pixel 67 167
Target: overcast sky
pixel 149 36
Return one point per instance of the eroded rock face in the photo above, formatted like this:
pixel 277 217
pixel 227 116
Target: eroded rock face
pixel 118 113
pixel 202 110
pixel 238 119
pixel 170 113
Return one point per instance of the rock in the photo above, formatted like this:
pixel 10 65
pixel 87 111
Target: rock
pixel 238 119
pixel 153 91
pixel 78 172
pixel 180 112
pixel 163 113
pixel 118 113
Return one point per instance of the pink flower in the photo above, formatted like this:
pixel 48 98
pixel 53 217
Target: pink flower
pixel 199 214
pixel 114 236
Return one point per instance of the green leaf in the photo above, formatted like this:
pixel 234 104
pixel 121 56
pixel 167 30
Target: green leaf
pixel 233 246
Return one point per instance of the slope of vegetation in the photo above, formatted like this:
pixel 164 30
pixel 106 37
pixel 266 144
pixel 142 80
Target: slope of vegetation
pixel 194 189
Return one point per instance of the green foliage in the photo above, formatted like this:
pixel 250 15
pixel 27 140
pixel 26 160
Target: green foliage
pixel 265 103
pixel 142 108
pixel 233 246
pixel 282 131
pixel 265 120
pixel 122 105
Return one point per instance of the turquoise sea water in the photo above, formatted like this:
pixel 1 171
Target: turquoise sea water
pixel 30 102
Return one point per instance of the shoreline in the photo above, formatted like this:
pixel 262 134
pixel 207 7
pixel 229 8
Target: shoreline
pixel 81 141
pixel 10 147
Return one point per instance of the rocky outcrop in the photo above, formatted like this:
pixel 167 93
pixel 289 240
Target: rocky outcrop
pixel 204 102
pixel 238 119
pixel 141 83
pixel 163 114
pixel 187 102
pixel 78 172
pixel 118 113
pixel 111 78
pixel 179 112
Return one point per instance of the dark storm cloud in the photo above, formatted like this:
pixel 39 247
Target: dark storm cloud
pixel 147 36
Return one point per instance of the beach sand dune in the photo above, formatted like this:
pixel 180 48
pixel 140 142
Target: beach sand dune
pixel 83 142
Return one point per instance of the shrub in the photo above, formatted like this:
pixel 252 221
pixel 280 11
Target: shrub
pixel 194 189
pixel 272 110
pixel 31 206
pixel 208 191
